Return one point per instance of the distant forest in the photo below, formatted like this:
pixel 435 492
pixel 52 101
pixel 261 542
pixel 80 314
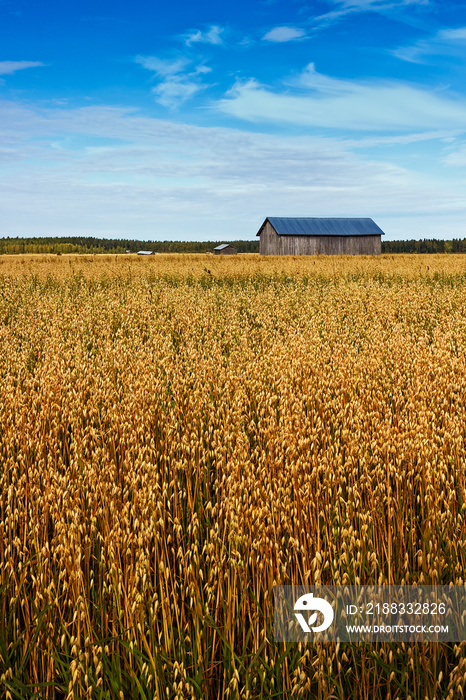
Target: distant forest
pixel 120 245
pixel 114 245
pixel 458 245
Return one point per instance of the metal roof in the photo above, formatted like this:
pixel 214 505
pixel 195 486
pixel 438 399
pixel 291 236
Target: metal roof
pixel 309 226
pixel 224 245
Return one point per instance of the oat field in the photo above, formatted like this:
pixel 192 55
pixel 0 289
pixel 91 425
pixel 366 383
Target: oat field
pixel 178 434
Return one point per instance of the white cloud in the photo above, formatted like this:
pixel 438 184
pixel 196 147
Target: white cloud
pixel 177 84
pixel 376 5
pixel 345 7
pixel 457 158
pixel 282 34
pixel 161 179
pixel 9 67
pixel 212 36
pixel 321 101
pixel 458 34
pixel 444 42
pixel 175 90
pixel 448 136
pixel 163 66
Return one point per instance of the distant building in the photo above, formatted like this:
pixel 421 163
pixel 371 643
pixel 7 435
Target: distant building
pixel 225 249
pixel 313 236
pixel 145 252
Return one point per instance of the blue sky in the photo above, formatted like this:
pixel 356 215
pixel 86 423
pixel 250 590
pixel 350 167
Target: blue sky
pixel 195 121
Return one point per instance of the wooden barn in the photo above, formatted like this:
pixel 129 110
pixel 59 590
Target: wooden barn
pixel 281 235
pixel 225 249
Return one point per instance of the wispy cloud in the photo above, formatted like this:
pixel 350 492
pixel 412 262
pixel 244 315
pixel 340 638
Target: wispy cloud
pixel 345 7
pixel 173 91
pixel 317 100
pixel 212 36
pixel 283 34
pixel 177 84
pixel 193 178
pixel 456 158
pixel 9 67
pixel 445 42
pixel 375 5
pixel 163 67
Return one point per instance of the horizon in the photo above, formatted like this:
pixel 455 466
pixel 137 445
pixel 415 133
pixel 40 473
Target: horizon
pixel 194 123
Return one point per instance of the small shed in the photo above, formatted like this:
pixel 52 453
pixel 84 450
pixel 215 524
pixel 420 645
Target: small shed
pixel 225 249
pixel 281 235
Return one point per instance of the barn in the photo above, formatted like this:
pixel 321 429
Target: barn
pixel 225 249
pixel 281 235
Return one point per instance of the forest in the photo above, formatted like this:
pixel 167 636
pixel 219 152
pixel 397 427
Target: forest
pixel 79 244
pixel 91 244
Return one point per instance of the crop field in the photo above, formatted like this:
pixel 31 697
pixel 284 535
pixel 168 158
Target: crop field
pixel 178 434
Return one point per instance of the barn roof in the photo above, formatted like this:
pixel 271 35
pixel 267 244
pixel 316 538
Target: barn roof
pixel 223 246
pixel 310 226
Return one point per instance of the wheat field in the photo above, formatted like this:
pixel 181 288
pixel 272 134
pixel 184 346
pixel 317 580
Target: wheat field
pixel 178 434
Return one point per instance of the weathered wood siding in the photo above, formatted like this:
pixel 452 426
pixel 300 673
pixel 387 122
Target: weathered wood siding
pixel 231 250
pixel 273 244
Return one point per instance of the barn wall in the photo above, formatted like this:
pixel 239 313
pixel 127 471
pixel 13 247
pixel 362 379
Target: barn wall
pixel 273 244
pixel 227 251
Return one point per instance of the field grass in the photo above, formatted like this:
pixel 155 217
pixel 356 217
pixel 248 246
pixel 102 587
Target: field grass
pixel 178 434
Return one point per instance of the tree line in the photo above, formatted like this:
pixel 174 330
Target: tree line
pixel 90 245
pixel 457 245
